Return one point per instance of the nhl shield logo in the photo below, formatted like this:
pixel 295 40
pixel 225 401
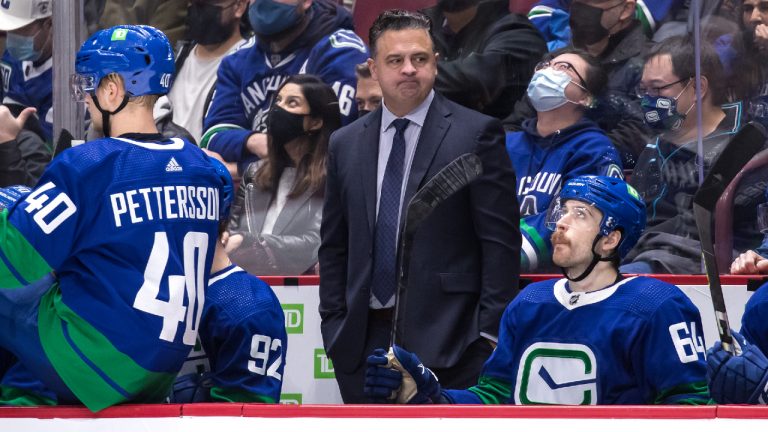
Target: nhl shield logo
pixel 574 299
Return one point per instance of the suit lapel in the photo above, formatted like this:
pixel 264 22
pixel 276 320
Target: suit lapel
pixel 369 158
pixel 432 134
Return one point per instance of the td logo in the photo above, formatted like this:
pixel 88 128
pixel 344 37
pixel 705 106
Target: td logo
pixel 556 373
pixel 323 365
pixel 294 318
pixel 290 398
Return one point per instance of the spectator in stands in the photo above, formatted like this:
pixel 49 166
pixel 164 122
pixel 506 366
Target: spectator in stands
pixel 27 64
pixel 275 223
pixel 166 15
pixel 755 261
pixel 667 174
pixel 243 340
pixel 486 54
pixel 368 92
pixel 23 154
pixel 551 17
pixel 304 36
pixel 752 63
pixel 558 144
pixel 611 32
pixel 213 31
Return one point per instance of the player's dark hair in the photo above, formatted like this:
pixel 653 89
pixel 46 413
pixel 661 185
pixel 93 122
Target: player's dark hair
pixel 398 19
pixel 681 51
pixel 310 171
pixel 596 76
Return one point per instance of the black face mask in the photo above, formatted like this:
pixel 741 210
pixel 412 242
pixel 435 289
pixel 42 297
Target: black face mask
pixel 455 5
pixel 586 28
pixel 204 24
pixel 362 112
pixel 284 126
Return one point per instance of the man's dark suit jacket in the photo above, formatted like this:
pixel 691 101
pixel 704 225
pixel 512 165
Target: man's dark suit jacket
pixel 466 255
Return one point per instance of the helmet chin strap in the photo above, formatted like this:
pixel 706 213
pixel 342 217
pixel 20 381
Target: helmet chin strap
pixel 595 259
pixel 105 114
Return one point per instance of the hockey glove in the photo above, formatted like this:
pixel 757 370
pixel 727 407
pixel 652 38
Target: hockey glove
pixel 737 379
pixel 190 388
pixel 382 383
pixel 426 388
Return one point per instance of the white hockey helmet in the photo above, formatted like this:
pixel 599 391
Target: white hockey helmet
pixel 15 14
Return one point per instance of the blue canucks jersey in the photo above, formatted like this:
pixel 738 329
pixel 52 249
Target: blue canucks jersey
pixel 243 339
pixel 638 341
pixel 129 227
pixel 542 165
pixel 248 79
pixel 754 325
pixel 30 86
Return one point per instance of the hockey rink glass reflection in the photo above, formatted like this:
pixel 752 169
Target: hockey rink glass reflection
pixel 80 85
pixel 571 213
pixel 762 218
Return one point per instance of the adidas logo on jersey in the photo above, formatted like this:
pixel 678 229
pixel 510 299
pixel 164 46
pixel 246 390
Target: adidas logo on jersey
pixel 173 166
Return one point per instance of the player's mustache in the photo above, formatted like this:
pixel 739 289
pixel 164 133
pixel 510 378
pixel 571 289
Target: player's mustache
pixel 558 238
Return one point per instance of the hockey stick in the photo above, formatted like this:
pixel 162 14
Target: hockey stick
pixel 450 179
pixel 742 147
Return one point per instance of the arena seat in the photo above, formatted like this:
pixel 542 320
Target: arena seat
pixel 724 213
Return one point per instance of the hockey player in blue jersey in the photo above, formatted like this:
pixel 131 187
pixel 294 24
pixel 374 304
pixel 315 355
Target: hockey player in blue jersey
pixel 292 37
pixel 743 378
pixel 593 337
pixel 27 64
pixel 243 341
pixel 557 144
pixel 128 223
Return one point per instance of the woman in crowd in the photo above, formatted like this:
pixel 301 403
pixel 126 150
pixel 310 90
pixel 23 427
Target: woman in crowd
pixel 558 144
pixel 275 223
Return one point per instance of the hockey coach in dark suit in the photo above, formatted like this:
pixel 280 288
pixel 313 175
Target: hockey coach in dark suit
pixel 465 259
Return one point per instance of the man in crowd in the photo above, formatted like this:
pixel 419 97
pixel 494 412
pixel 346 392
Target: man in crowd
pixel 292 36
pixel 368 92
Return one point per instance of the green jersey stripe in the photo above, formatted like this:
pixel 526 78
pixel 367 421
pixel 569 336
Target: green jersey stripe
pixel 13 396
pixel 220 394
pixel 541 246
pixel 492 391
pixel 85 380
pixel 695 393
pixel 24 261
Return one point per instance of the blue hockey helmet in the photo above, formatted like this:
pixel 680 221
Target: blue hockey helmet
pixel 140 54
pixel 619 202
pixel 227 191
pixel 9 195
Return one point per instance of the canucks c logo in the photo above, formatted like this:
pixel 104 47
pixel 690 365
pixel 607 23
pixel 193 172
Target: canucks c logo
pixel 557 373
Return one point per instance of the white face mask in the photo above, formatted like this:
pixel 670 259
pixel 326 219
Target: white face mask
pixel 546 90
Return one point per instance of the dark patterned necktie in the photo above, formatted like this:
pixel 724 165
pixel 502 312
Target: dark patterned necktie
pixel 385 252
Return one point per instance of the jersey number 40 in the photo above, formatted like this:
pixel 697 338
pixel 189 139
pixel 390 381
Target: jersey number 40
pixel 173 310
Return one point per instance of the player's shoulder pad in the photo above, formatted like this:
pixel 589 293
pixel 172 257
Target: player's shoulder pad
pixel 646 294
pixel 538 292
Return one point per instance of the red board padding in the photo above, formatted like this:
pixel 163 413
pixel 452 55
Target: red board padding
pixel 743 411
pixel 119 411
pixel 394 411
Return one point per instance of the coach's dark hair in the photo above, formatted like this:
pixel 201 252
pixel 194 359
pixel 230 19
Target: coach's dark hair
pixel 681 51
pixel 398 19
pixel 595 78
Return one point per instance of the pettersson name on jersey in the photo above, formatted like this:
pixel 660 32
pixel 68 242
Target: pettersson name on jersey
pixel 165 202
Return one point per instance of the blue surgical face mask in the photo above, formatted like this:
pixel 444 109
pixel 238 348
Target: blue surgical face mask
pixel 547 89
pixel 22 48
pixel 269 17
pixel 660 113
